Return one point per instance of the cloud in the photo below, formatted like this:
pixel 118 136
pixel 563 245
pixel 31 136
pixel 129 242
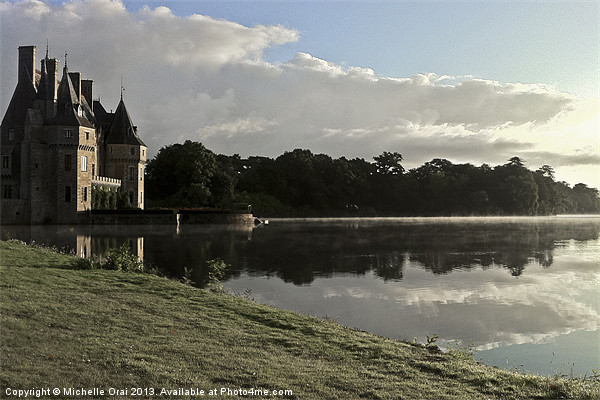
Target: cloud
pixel 206 79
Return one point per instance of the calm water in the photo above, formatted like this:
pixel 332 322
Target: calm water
pixel 523 291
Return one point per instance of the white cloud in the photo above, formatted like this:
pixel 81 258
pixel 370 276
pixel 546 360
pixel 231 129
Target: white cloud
pixel 200 78
pixel 238 127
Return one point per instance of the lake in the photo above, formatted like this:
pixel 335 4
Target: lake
pixel 524 292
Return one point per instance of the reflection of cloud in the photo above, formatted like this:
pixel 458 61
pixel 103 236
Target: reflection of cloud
pixel 530 311
pixel 489 307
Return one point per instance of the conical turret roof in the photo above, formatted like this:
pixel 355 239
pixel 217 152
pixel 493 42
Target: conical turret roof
pixel 43 89
pixel 121 129
pixel 70 111
pixel 19 103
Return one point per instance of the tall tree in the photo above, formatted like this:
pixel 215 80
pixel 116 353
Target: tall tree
pixel 515 191
pixel 180 175
pixel 389 163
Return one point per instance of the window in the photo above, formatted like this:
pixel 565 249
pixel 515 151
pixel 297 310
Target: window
pixel 84 193
pixel 131 173
pixel 68 134
pixel 68 163
pixel 141 174
pixel 83 163
pixel 67 194
pixel 87 135
pixel 93 169
pixel 132 150
pixel 143 152
pixel 131 197
pixel 7 191
pixel 6 161
pixel 11 134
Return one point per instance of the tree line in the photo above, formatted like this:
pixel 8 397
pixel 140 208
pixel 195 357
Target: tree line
pixel 300 183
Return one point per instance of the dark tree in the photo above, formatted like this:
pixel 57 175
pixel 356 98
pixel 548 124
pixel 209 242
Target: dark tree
pixel 300 183
pixel 389 163
pixel 180 175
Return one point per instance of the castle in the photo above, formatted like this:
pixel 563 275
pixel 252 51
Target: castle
pixel 59 145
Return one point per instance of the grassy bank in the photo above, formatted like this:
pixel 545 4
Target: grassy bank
pixel 68 328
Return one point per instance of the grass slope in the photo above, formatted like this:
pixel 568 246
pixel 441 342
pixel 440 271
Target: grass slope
pixel 62 327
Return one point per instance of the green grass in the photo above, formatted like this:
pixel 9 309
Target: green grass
pixel 62 327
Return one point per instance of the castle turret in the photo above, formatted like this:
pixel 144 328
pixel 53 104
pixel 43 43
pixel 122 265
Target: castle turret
pixel 126 155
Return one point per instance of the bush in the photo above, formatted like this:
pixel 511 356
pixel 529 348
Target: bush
pixel 216 272
pixel 121 259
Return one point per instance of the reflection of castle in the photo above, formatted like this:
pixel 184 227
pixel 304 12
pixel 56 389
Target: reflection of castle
pixel 83 241
pixel 59 144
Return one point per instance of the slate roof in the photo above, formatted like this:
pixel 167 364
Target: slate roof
pixel 43 91
pixel 68 105
pixel 121 129
pixel 21 100
pixel 103 117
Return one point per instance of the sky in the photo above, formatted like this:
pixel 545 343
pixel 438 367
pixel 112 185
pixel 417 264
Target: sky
pixel 471 81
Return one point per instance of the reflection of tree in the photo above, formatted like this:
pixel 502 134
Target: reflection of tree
pixel 390 266
pixel 300 252
pixel 511 246
pixel 545 258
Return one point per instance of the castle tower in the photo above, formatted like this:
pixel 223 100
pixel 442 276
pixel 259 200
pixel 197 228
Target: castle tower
pixel 125 155
pixel 72 139
pixel 13 130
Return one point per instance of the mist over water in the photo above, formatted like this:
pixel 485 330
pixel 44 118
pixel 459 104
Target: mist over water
pixel 522 290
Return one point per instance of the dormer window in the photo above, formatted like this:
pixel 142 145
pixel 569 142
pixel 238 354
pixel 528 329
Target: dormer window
pixel 11 134
pixel 68 134
pixel 79 111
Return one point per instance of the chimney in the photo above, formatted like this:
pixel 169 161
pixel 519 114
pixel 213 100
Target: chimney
pixel 52 71
pixel 86 91
pixel 27 63
pixel 76 81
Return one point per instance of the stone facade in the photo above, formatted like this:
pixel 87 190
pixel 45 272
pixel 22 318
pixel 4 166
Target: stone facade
pixel 58 144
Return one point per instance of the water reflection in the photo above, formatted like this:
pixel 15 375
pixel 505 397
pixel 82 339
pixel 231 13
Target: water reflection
pixel 300 251
pixel 500 282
